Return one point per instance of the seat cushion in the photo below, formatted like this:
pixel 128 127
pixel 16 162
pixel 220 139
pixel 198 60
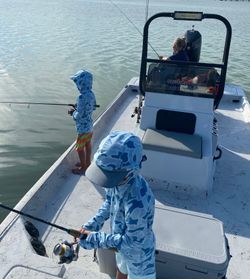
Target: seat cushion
pixel 172 142
pixel 175 121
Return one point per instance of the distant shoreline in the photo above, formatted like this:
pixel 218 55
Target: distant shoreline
pixel 237 0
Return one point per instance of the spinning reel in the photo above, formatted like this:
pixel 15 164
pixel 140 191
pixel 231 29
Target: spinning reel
pixel 66 251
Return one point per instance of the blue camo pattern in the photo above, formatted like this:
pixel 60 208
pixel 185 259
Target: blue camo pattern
pixel 119 151
pixel 130 208
pixel 85 103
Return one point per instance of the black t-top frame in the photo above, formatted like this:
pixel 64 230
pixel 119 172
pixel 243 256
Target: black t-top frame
pixel 187 16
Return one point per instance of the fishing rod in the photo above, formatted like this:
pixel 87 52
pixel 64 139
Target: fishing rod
pixel 72 232
pixel 39 103
pixel 138 30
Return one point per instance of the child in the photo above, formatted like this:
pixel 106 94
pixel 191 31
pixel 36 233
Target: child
pixel 179 52
pixel 82 114
pixel 129 205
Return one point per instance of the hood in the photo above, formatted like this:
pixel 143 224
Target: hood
pixel 83 80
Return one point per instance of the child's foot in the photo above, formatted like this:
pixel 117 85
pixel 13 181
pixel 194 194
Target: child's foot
pixel 78 171
pixel 78 164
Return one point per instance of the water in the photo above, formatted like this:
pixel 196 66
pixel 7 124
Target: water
pixel 43 42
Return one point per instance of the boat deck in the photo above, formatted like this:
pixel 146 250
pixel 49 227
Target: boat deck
pixel 77 200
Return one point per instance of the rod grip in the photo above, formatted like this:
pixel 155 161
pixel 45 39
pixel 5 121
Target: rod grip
pixel 77 234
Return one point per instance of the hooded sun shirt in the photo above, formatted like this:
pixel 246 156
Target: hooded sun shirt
pixel 130 208
pixel 129 203
pixel 85 102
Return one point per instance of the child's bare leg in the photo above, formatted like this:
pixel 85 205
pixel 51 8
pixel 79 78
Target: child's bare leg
pixel 88 149
pixel 82 166
pixel 120 275
pixel 82 158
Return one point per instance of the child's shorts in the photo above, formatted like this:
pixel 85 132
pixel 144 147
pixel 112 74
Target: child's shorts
pixel 82 140
pixel 122 266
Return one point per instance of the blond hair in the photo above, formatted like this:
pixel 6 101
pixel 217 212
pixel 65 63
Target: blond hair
pixel 179 43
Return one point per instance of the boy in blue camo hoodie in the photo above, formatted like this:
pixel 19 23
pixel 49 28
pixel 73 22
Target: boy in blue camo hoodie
pixel 129 205
pixel 82 115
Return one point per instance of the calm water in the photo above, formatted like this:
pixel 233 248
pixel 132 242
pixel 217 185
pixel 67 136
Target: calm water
pixel 43 42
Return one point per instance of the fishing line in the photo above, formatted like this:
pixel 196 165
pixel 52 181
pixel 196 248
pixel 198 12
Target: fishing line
pixel 138 30
pixel 72 232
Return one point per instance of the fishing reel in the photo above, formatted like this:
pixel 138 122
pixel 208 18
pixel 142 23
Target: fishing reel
pixel 66 251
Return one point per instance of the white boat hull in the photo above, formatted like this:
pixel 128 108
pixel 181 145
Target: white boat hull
pixel 70 200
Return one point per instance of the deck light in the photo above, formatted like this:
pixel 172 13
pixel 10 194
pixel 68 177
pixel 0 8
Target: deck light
pixel 188 16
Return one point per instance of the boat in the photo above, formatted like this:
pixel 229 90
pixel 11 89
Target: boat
pixel 195 134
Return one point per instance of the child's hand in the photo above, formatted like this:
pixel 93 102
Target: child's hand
pixel 71 111
pixel 163 57
pixel 84 234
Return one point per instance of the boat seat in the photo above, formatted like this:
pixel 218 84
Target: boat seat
pixel 173 142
